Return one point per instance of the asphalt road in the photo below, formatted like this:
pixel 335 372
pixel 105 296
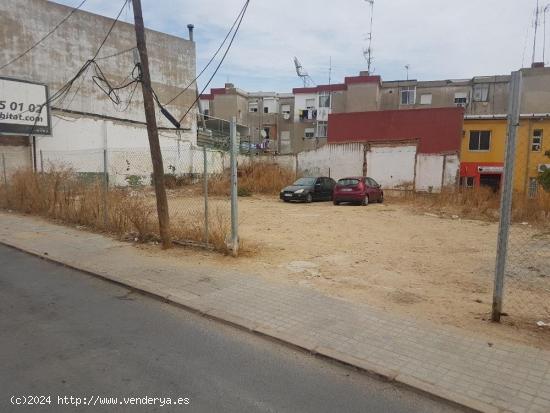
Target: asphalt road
pixel 66 333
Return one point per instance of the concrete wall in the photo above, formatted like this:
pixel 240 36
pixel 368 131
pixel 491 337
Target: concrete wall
pixel 14 154
pixel 336 161
pixel 395 166
pixel 57 59
pixel 392 166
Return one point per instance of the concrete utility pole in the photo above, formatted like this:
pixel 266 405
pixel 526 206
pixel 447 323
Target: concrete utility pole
pixel 152 132
pixel 191 28
pixel 507 192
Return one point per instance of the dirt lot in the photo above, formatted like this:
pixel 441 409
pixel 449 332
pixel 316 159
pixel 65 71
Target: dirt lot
pixel 392 257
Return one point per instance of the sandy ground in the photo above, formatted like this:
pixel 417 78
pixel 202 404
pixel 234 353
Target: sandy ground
pixel 395 258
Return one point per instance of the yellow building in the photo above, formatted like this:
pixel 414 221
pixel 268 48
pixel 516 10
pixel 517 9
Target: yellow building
pixel 483 148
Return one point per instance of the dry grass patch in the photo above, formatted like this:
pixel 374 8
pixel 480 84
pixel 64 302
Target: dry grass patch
pixel 254 177
pixel 480 203
pixel 126 212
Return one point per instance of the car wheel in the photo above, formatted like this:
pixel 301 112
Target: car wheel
pixel 381 199
pixel 365 201
pixel 309 199
pixel 336 202
pixel 286 200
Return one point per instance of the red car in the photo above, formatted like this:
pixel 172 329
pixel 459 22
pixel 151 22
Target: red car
pixel 357 189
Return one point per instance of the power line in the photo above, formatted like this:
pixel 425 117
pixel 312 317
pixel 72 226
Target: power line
pixel 46 36
pixel 116 54
pixel 67 86
pixel 213 56
pixel 221 61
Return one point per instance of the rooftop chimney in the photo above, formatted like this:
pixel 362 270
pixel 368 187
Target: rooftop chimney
pixel 537 64
pixel 364 73
pixel 190 27
pixel 229 85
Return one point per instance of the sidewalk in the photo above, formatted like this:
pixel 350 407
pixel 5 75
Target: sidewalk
pixel 441 361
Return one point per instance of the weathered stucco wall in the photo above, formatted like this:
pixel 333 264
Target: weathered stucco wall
pixel 58 58
pixel 392 166
pixel 336 161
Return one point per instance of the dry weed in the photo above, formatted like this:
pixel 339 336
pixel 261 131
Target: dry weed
pixel 481 203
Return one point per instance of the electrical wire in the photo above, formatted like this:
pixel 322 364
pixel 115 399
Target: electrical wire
pixel 221 61
pixel 115 54
pixel 68 85
pixel 45 37
pixel 213 56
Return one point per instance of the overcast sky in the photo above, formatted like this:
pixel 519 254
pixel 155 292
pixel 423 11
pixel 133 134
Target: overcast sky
pixel 439 39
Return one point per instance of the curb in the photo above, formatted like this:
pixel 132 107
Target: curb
pixel 364 366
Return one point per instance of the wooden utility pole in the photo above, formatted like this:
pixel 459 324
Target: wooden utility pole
pixel 152 132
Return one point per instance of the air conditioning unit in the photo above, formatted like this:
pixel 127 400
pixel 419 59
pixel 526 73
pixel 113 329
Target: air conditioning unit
pixel 461 104
pixel 542 167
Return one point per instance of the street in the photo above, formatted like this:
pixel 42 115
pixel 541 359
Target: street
pixel 66 333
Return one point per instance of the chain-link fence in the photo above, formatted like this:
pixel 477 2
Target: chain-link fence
pixel 525 260
pixel 196 179
pixel 112 191
pixel 527 273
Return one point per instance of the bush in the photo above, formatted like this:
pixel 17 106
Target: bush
pixel 254 177
pixel 544 179
pixel 244 191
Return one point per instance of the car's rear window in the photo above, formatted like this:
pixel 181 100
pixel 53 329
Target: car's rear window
pixel 348 182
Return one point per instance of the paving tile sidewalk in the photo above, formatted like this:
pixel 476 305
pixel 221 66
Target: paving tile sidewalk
pixel 442 361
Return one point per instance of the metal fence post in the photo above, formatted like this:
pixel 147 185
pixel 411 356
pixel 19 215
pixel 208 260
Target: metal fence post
pixel 4 171
pixel 507 191
pixel 105 189
pixel 234 212
pixel 205 183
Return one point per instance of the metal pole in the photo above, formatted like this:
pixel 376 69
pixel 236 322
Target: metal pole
pixel 41 162
pixel 4 169
pixel 105 189
pixel 205 183
pixel 234 212
pixel 507 191
pixel 35 170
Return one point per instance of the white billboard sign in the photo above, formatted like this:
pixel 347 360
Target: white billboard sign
pixel 23 108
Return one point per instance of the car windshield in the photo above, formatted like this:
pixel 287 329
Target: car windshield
pixel 304 182
pixel 348 182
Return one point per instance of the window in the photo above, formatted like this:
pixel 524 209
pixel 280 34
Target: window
pixel 481 93
pixel 467 181
pixel 533 187
pixel 309 133
pixel 461 98
pixel 372 183
pixel 322 129
pixel 426 99
pixel 480 140
pixel 536 145
pixel 252 107
pixel 408 95
pixel 324 100
pixel 270 105
pixel 206 112
pixel 310 103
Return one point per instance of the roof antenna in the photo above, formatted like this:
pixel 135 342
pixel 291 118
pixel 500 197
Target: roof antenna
pixel 367 53
pixel 302 74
